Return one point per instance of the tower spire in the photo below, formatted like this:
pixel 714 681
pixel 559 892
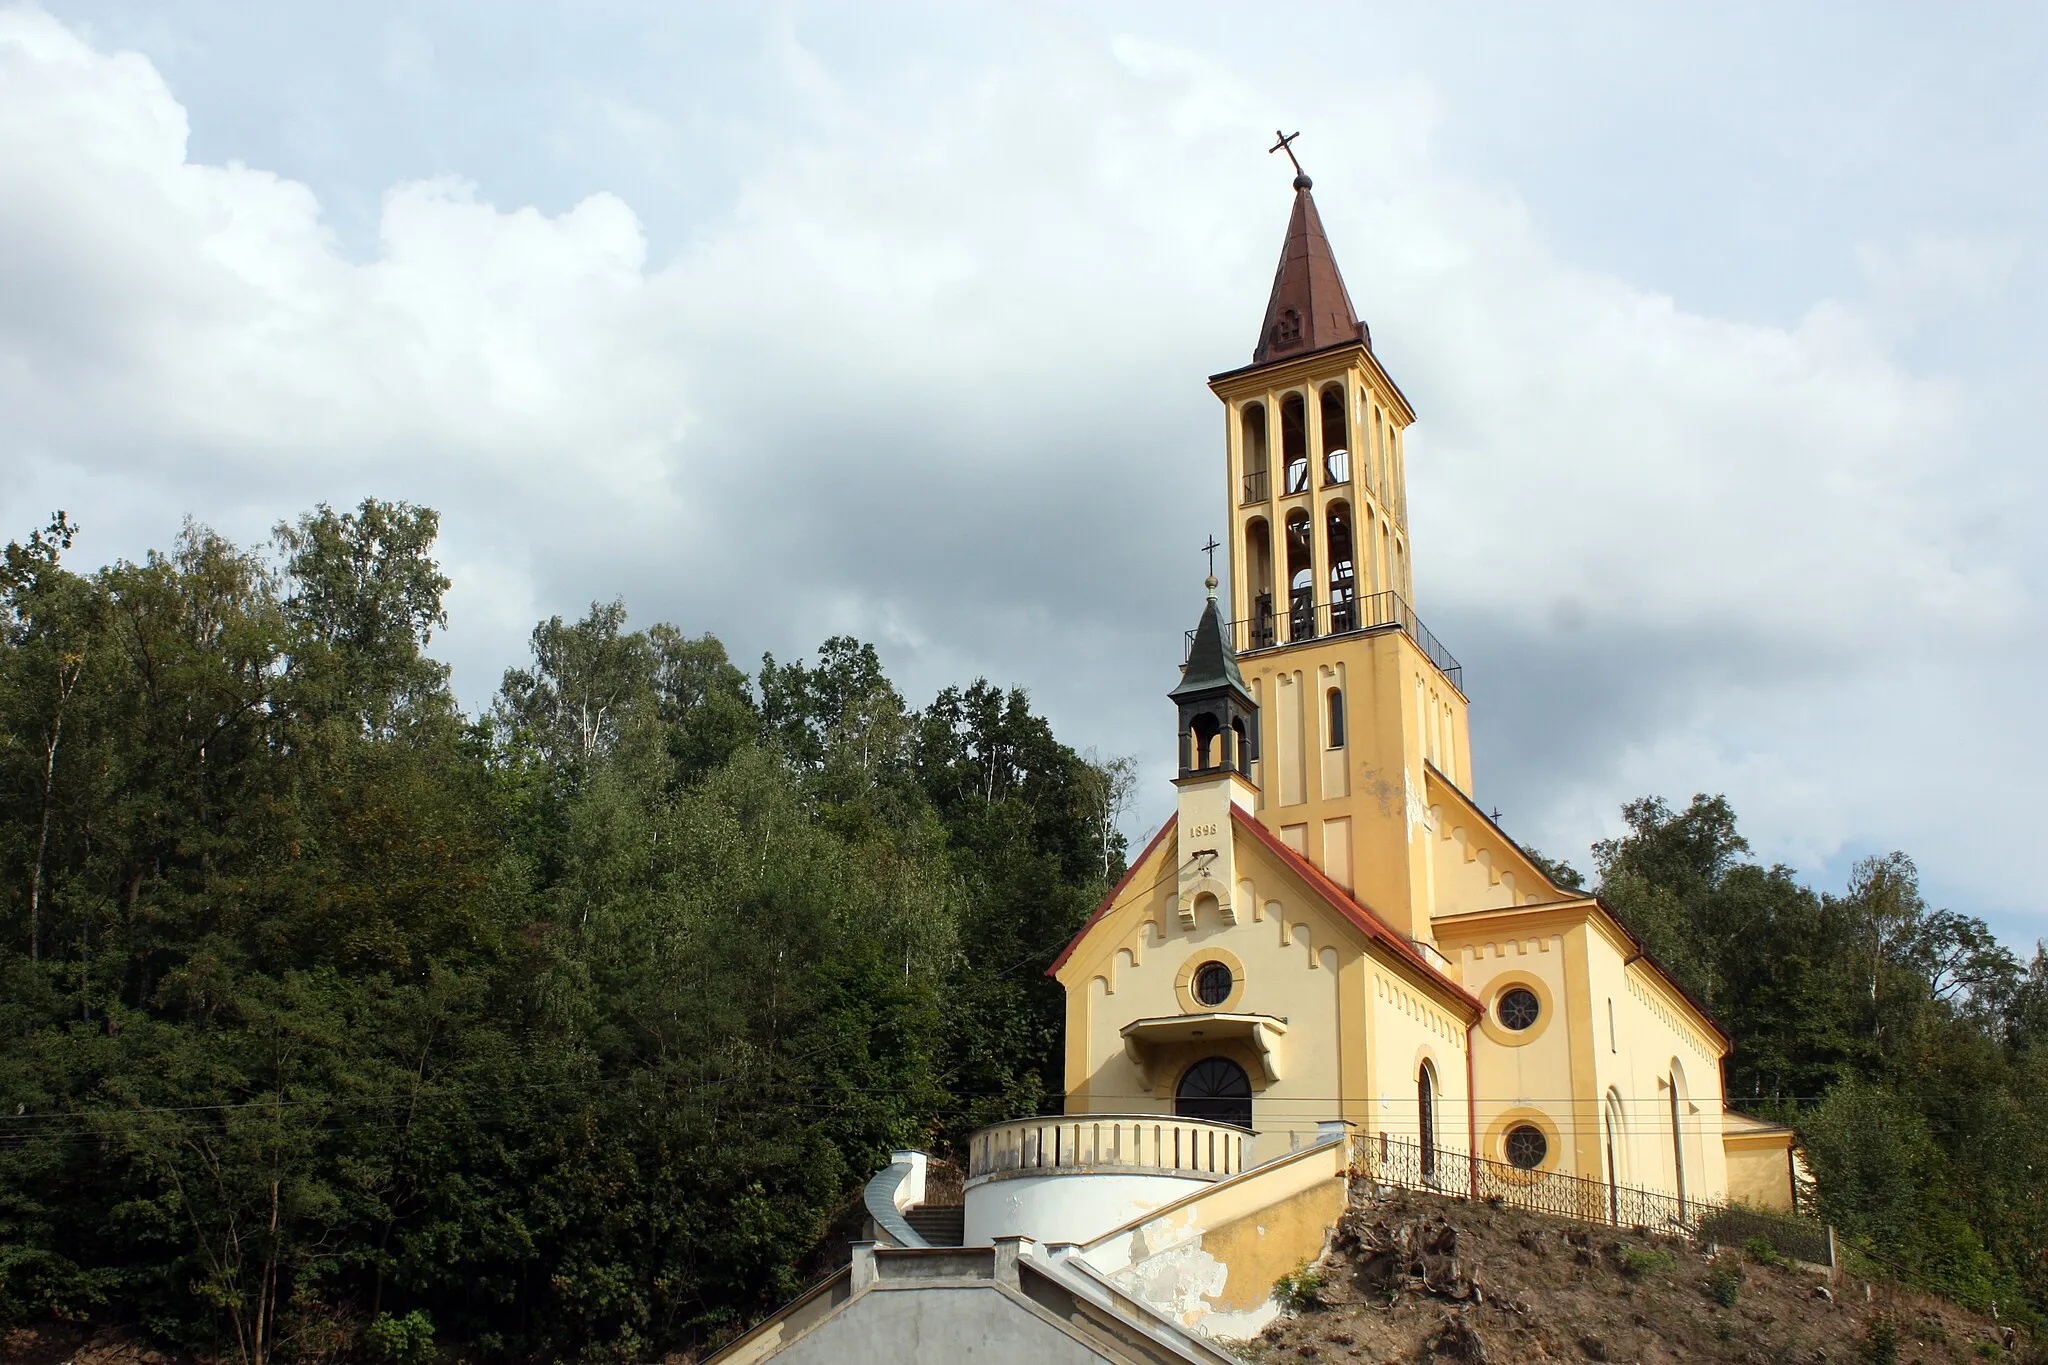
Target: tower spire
pixel 1309 308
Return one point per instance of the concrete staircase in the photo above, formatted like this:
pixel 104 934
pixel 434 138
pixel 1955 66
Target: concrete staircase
pixel 942 1225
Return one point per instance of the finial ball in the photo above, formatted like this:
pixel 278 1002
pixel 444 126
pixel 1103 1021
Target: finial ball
pixel 1210 584
pixel 1302 182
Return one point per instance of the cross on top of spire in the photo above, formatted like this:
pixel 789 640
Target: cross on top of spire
pixel 1309 308
pixel 1286 144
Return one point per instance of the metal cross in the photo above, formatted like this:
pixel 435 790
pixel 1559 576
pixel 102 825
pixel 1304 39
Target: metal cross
pixel 1285 144
pixel 1212 547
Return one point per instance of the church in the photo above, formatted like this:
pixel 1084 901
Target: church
pixel 1330 965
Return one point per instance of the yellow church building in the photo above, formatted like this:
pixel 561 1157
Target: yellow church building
pixel 1327 975
pixel 1330 927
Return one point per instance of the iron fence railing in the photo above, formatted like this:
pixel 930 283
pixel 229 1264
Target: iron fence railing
pixel 1308 619
pixel 1397 1164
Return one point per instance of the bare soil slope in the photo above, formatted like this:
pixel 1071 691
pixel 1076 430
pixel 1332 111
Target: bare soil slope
pixel 1418 1277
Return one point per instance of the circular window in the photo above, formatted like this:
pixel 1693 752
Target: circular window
pixel 1526 1147
pixel 1212 983
pixel 1518 1009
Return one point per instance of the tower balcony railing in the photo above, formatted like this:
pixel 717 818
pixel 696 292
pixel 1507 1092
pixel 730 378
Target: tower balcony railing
pixel 1162 1144
pixel 1254 487
pixel 1307 619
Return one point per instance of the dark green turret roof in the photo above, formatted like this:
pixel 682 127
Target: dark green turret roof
pixel 1212 663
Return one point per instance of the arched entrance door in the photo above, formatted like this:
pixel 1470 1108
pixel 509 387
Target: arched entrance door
pixel 1217 1090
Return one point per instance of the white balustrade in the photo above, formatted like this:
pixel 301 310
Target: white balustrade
pixel 1108 1142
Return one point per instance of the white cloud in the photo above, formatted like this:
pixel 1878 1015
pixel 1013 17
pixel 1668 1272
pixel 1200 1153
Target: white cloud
pixel 935 376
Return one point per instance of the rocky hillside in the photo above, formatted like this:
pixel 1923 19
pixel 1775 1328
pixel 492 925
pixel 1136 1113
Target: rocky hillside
pixel 1415 1277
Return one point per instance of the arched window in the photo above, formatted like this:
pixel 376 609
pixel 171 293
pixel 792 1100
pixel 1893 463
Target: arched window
pixel 1244 752
pixel 1343 570
pixel 1611 1123
pixel 1217 1090
pixel 1294 442
pixel 1301 579
pixel 1258 560
pixel 1425 1109
pixel 1334 698
pixel 1336 437
pixel 1678 1140
pixel 1252 439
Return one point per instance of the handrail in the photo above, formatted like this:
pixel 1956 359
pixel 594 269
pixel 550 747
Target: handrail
pixel 1162 1143
pixel 879 1195
pixel 1306 619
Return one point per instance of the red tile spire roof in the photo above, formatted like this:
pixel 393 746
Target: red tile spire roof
pixel 1309 308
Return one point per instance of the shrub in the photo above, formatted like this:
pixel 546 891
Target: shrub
pixel 1300 1289
pixel 1880 1341
pixel 1763 1253
pixel 402 1341
pixel 1636 1263
pixel 1724 1282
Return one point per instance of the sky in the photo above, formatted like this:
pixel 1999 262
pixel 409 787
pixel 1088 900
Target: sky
pixel 1724 325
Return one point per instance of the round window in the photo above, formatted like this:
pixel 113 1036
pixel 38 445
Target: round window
pixel 1526 1146
pixel 1212 983
pixel 1519 1008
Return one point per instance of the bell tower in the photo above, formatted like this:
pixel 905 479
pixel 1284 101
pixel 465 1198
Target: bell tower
pixel 1358 704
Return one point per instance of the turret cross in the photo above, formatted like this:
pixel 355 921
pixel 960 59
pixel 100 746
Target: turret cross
pixel 1286 144
pixel 1212 547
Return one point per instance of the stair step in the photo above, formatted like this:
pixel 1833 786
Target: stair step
pixel 942 1225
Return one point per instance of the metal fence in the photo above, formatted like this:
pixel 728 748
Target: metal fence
pixel 1397 1164
pixel 1307 619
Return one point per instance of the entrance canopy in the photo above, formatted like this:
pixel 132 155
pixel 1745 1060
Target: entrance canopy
pixel 1147 1040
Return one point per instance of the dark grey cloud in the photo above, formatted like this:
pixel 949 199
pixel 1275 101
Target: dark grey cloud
pixel 787 326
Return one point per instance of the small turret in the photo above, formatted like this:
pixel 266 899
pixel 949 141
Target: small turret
pixel 1219 720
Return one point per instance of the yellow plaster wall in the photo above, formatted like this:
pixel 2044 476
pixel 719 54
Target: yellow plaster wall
pixel 1408 1028
pixel 1358 1022
pixel 1520 1074
pixel 1474 866
pixel 1253 1229
pixel 1651 1029
pixel 1371 792
pixel 1292 952
pixel 1760 1171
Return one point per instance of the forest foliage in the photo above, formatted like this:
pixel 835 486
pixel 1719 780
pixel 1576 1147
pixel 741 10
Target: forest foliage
pixel 335 1019
pixel 336 1022
pixel 1908 1047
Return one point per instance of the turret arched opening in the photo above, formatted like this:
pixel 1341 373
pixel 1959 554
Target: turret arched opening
pixel 1205 743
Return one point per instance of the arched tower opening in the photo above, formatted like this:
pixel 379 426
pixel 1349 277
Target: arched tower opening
pixel 1301 576
pixel 1343 569
pixel 1294 442
pixel 1251 423
pixel 1336 437
pixel 1258 562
